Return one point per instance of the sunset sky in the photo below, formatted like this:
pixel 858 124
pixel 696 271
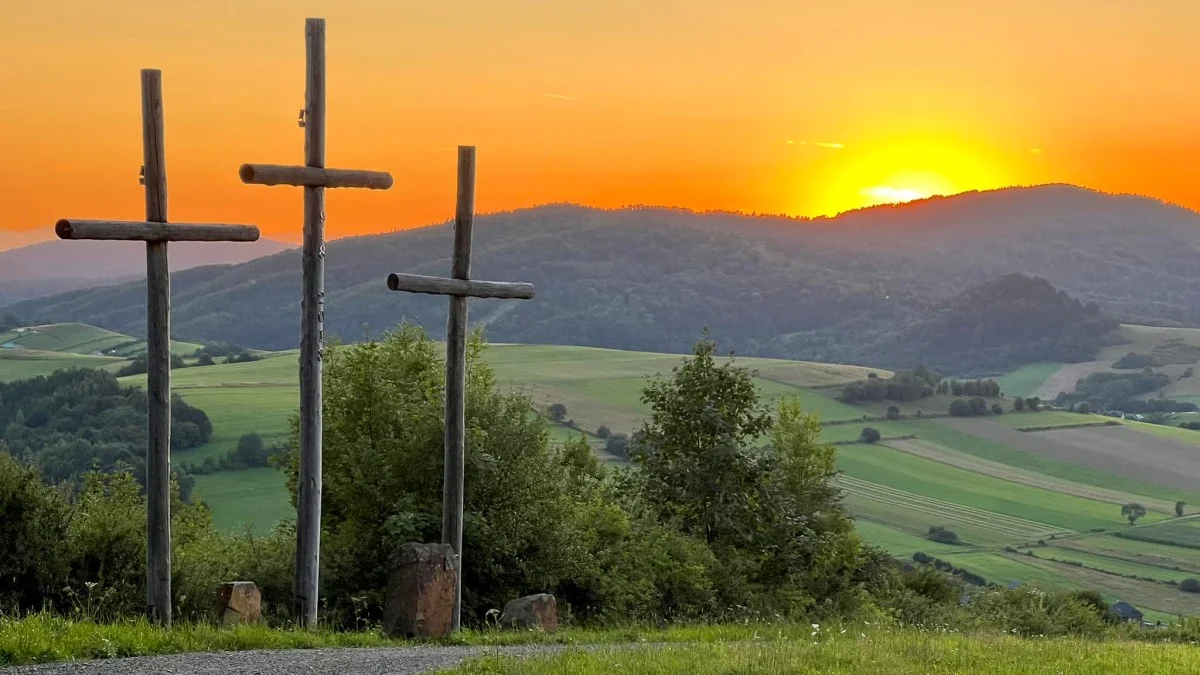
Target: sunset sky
pixel 799 107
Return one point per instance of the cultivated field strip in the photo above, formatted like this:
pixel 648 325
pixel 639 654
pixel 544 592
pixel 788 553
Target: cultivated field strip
pixel 937 453
pixel 1018 528
pixel 1115 450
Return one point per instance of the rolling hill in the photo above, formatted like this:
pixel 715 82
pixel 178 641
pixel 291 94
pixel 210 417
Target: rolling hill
pixel 650 278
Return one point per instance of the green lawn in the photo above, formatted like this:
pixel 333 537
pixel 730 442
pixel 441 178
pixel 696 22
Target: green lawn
pixel 255 497
pixel 1173 432
pixel 1025 380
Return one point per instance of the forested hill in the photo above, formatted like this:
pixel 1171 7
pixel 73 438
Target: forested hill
pixel 998 325
pixel 651 279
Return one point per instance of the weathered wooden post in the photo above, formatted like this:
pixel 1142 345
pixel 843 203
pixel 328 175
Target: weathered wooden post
pixel 459 287
pixel 156 233
pixel 314 178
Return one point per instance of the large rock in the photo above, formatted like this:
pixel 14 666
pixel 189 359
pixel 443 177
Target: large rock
pixel 533 612
pixel 420 598
pixel 239 602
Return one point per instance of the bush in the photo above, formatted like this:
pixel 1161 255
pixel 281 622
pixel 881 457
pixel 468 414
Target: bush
pixel 942 535
pixel 997 409
pixel 603 432
pixel 869 435
pixel 1190 585
pixel 617 445
pixel 1030 612
pixel 893 413
pixel 1018 404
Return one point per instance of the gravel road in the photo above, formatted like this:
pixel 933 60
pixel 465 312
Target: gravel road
pixel 384 661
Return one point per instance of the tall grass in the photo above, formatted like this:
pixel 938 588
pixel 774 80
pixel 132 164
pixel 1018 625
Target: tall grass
pixel 858 653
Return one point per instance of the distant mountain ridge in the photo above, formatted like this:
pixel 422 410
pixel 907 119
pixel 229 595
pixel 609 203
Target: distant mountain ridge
pixel 652 278
pixel 54 266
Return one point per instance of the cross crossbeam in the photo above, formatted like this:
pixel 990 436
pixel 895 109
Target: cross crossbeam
pixel 314 178
pixel 416 283
pixel 132 230
pixel 156 232
pixel 311 176
pixel 459 287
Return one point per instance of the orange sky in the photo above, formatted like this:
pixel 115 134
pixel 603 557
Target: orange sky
pixel 801 107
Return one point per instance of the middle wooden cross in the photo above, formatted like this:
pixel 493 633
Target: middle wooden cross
pixel 459 287
pixel 314 178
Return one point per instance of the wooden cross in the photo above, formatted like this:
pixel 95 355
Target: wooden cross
pixel 314 178
pixel 459 287
pixel 156 232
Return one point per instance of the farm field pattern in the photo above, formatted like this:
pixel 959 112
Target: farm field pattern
pixel 1054 493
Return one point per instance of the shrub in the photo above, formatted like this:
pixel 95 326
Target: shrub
pixel 942 535
pixel 997 409
pixel 603 432
pixel 1029 612
pixel 869 435
pixel 893 412
pixel 1018 404
pixel 1190 585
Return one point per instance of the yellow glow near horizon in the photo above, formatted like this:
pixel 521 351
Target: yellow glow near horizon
pixel 903 171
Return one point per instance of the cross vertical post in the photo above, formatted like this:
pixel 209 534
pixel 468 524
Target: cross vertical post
pixel 312 328
pixel 158 358
pixel 314 178
pixel 459 287
pixel 453 478
pixel 156 232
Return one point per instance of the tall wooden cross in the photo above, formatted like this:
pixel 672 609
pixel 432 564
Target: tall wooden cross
pixel 156 233
pixel 459 287
pixel 314 178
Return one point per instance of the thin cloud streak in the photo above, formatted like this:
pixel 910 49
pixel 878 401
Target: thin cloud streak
pixel 820 144
pixel 561 97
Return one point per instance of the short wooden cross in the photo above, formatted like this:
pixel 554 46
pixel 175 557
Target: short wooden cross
pixel 314 178
pixel 156 232
pixel 459 287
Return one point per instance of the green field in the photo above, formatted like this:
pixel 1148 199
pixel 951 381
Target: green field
pixel 1025 380
pixel 21 364
pixel 899 542
pixel 893 468
pixel 1177 533
pixel 1109 564
pixel 256 497
pixel 1049 418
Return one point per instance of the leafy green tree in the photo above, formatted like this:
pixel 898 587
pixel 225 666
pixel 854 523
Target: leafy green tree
pixel 33 522
pixel 558 412
pixel 205 359
pixel 893 412
pixel 696 454
pixel 960 408
pixel 1018 404
pixel 1033 403
pixel 1179 509
pixel 383 480
pixel 869 435
pixel 997 409
pixel 1133 511
pixel 603 432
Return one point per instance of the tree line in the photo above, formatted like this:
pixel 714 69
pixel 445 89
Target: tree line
pixel 76 421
